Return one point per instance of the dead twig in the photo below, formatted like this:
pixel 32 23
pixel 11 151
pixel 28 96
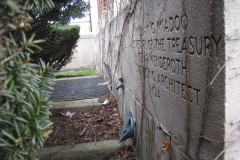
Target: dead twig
pixel 95 139
pixel 57 129
pixel 83 131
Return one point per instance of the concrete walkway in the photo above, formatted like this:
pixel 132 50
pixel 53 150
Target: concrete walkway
pixel 82 93
pixel 69 89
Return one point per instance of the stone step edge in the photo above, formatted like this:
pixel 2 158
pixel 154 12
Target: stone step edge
pixel 79 77
pixel 80 104
pixel 85 151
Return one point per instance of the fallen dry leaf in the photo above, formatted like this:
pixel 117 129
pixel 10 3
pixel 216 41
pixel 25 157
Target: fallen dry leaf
pixel 166 146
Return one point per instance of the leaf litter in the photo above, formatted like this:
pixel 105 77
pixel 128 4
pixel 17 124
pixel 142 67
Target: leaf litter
pixel 75 126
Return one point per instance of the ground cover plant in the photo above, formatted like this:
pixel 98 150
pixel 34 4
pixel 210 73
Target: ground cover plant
pixel 75 73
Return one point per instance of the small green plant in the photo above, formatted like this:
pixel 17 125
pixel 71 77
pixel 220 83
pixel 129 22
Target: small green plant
pixel 24 108
pixel 77 73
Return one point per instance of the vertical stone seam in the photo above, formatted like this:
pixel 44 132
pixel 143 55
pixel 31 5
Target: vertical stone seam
pixel 201 137
pixel 188 127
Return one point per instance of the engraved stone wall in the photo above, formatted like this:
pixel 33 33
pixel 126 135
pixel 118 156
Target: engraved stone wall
pixel 169 53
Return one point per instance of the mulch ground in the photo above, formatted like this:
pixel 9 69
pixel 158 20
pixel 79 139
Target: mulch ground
pixel 103 123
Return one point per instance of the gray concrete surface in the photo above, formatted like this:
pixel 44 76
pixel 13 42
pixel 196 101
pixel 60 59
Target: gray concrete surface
pixel 168 52
pixel 85 151
pixel 83 104
pixel 69 89
pixel 84 54
pixel 86 105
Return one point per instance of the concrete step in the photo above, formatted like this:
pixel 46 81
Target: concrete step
pixel 85 151
pixel 86 103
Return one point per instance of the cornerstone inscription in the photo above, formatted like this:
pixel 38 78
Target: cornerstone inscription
pixel 162 54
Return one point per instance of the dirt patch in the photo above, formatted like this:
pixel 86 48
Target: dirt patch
pixel 75 126
pixel 124 153
pixel 83 126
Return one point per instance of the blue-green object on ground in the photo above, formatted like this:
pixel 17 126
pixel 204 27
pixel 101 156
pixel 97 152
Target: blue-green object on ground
pixel 128 129
pixel 119 86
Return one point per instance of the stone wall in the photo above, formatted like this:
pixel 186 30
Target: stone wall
pixel 171 55
pixel 109 9
pixel 84 55
pixel 232 79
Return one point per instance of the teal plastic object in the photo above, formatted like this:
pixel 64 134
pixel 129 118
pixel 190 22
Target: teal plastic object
pixel 120 79
pixel 119 86
pixel 128 129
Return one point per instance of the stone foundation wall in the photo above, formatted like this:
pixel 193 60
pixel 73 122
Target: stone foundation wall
pixel 169 54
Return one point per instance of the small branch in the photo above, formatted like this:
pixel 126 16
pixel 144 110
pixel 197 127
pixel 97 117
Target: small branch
pixel 83 131
pixel 2 31
pixel 55 133
pixel 26 2
pixel 4 84
pixel 95 140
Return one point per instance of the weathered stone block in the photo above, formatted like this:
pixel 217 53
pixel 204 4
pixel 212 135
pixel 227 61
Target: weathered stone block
pixel 172 56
